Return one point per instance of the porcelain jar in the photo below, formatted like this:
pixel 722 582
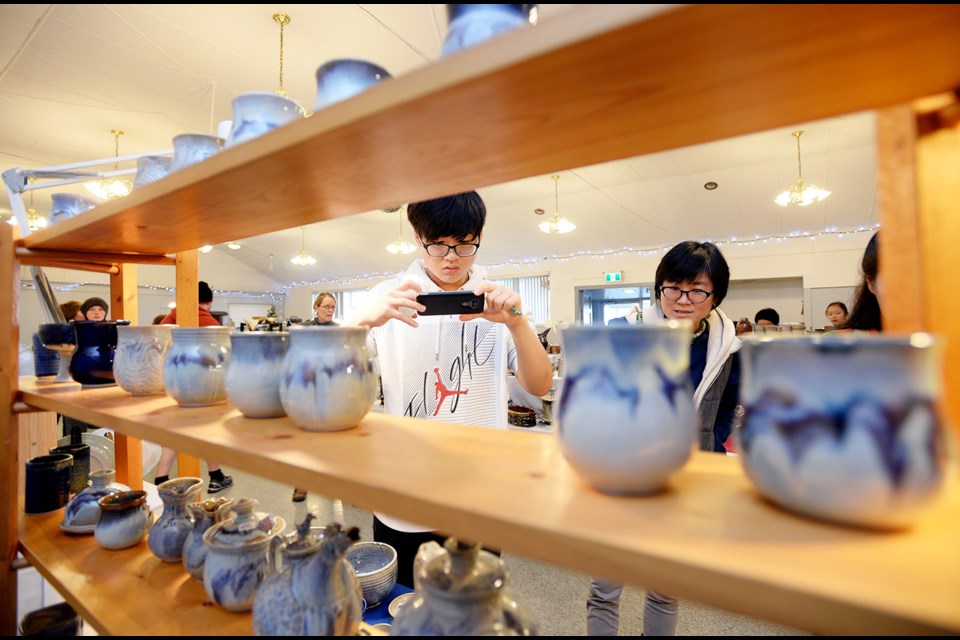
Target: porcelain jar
pixel 844 427
pixel 470 24
pixel 253 374
pixel 124 521
pixel 141 352
pixel 83 510
pixel 195 370
pixel 204 515
pixel 150 169
pixel 241 554
pixel 344 78
pixel 259 112
pixel 327 382
pixel 625 415
pixel 169 532
pixel 67 205
pixel 318 595
pixel 191 148
pixel 461 591
pixel 92 362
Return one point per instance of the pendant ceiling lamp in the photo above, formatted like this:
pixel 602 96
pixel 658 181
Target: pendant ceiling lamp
pixel 556 224
pixel 110 188
pixel 401 246
pixel 302 259
pixel 801 193
pixel 282 19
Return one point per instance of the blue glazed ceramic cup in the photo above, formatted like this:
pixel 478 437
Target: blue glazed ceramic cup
pixel 260 112
pixel 47 482
pixel 470 24
pixel 253 374
pixel 196 366
pixel 344 78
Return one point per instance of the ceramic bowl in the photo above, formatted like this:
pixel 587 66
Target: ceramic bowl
pixel 520 416
pixel 376 567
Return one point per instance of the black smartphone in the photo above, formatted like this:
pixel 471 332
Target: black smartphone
pixel 442 303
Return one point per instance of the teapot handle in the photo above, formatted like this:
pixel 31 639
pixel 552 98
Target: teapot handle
pixel 274 553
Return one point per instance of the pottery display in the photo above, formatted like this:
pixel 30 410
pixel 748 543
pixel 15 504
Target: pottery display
pixel 470 24
pixel 83 511
pixel 124 521
pixel 92 362
pixel 319 595
pixel 625 416
pixel 169 532
pixel 67 205
pixel 191 148
pixel 253 373
pixel 460 591
pixel 327 381
pixel 195 369
pixel 204 515
pixel 62 338
pixel 344 78
pixel 241 554
pixel 150 169
pixel 138 362
pixel 47 482
pixel 80 471
pixel 844 427
pixel 259 112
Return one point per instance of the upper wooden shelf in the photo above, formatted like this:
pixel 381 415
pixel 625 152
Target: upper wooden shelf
pixel 596 84
pixel 709 537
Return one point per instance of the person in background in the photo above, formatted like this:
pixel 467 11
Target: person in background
pixel 767 317
pixel 691 282
pixel 866 314
pixel 218 481
pixel 94 309
pixel 71 310
pixel 158 319
pixel 325 307
pixel 837 314
pixel 427 352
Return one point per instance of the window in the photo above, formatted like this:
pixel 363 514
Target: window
pixel 535 293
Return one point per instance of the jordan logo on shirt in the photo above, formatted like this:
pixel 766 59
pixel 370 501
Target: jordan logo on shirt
pixel 441 392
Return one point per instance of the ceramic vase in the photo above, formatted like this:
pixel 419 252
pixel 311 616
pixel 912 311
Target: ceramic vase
pixel 470 24
pixel 327 382
pixel 844 427
pixel 92 362
pixel 124 521
pixel 241 554
pixel 83 510
pixel 191 148
pixel 625 415
pixel 253 374
pixel 150 169
pixel 205 515
pixel 67 205
pixel 141 352
pixel 344 78
pixel 260 112
pixel 317 596
pixel 195 370
pixel 169 532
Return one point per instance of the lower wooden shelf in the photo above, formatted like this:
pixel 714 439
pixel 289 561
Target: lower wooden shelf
pixel 709 537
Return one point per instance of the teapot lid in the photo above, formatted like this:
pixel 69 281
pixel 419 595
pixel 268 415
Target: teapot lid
pixel 248 528
pixel 304 541
pixel 463 569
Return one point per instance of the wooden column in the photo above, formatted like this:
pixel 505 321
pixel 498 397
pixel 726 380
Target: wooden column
pixel 188 268
pixel 128 451
pixel 9 430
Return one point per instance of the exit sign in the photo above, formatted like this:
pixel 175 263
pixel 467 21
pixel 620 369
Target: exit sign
pixel 613 276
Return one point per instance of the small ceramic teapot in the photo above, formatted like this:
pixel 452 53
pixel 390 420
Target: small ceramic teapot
pixel 319 595
pixel 205 515
pixel 83 512
pixel 170 531
pixel 460 592
pixel 241 554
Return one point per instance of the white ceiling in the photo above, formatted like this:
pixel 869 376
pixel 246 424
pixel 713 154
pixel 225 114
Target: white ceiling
pixel 71 73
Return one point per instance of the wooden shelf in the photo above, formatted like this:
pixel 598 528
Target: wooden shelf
pixel 596 84
pixel 709 538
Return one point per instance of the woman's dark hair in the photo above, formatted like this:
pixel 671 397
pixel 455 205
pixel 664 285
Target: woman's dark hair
pixel 846 312
pixel 865 315
pixel 688 260
pixel 459 216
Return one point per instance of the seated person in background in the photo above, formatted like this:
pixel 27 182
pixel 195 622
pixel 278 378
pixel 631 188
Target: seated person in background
pixel 836 314
pixel 767 317
pixel 71 310
pixel 94 309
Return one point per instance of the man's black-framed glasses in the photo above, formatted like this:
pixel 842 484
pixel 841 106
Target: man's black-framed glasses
pixel 441 249
pixel 696 296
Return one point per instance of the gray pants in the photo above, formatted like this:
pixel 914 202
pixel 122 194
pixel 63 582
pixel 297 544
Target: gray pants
pixel 603 611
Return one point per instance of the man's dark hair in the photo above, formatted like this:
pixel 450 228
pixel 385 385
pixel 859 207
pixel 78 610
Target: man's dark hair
pixel 767 313
pixel 206 293
pixel 689 259
pixel 458 216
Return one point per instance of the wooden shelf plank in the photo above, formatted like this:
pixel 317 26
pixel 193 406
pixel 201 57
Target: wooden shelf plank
pixel 709 537
pixel 596 84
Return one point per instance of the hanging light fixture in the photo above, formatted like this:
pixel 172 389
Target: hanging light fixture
pixel 34 220
pixel 801 193
pixel 110 188
pixel 556 224
pixel 400 245
pixel 282 19
pixel 302 259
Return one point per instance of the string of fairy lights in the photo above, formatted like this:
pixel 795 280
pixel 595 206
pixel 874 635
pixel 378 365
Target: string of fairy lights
pixel 274 296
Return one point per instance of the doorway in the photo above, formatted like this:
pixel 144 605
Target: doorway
pixel 600 305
